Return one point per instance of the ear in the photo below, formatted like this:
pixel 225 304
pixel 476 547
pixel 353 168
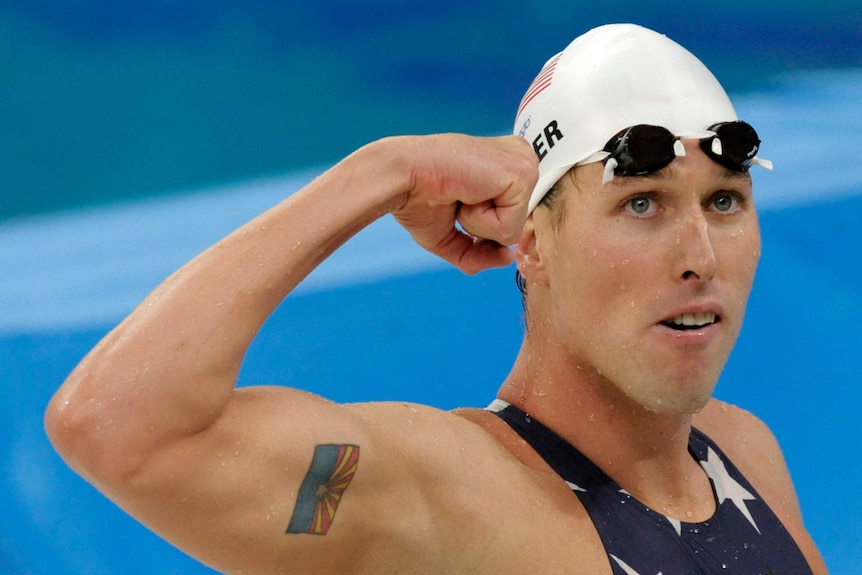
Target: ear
pixel 527 254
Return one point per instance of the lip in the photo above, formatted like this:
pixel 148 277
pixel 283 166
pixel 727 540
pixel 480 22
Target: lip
pixel 698 335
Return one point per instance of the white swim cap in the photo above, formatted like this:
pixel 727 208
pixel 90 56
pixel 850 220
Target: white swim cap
pixel 611 78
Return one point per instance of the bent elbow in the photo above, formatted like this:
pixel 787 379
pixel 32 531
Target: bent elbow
pixel 84 433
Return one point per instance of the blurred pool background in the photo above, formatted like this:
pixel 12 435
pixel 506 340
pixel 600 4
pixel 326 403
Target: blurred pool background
pixel 133 134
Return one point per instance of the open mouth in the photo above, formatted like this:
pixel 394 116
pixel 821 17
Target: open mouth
pixel 689 321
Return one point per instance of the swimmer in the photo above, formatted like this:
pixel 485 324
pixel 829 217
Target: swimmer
pixel 625 191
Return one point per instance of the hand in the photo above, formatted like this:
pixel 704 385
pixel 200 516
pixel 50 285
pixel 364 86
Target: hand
pixel 467 199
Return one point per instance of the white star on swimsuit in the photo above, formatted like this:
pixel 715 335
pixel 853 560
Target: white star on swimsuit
pixel 726 487
pixel 625 567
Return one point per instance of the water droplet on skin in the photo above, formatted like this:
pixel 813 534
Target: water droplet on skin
pixel 689 514
pixel 591 417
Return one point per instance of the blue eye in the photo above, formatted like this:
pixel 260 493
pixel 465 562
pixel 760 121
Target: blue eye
pixel 725 202
pixel 640 205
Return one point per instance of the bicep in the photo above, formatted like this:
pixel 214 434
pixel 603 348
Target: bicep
pixel 289 482
pixel 281 479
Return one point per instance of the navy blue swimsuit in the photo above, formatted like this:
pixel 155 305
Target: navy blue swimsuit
pixel 743 537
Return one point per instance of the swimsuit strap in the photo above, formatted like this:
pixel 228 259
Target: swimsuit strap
pixel 569 463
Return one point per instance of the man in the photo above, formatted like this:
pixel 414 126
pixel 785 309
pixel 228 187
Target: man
pixel 636 243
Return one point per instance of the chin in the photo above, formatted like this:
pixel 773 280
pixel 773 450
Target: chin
pixel 677 405
pixel 683 397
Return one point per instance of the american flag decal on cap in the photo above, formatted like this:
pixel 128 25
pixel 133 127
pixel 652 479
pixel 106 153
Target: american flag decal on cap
pixel 542 81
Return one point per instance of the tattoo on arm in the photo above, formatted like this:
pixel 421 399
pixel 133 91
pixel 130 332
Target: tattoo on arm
pixel 331 471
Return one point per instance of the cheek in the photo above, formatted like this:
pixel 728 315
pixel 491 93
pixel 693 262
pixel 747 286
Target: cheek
pixel 622 266
pixel 743 254
pixel 598 279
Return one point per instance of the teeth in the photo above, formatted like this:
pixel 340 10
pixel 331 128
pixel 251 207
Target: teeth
pixel 697 319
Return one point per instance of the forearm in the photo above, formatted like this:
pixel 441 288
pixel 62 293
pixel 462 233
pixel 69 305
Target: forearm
pixel 167 371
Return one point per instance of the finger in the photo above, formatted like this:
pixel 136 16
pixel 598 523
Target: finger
pixel 489 220
pixel 485 254
pixel 470 254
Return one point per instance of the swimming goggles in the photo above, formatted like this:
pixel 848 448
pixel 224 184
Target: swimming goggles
pixel 643 149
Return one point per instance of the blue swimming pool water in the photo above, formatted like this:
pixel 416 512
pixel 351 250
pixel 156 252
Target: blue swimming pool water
pixel 112 206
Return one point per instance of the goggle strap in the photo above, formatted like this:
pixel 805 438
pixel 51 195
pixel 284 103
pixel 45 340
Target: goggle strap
pixel 678 148
pixel 762 162
pixel 608 174
pixel 595 157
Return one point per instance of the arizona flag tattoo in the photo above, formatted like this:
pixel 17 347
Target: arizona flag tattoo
pixel 331 471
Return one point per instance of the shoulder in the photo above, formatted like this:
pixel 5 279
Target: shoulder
pixel 450 453
pixel 740 433
pixel 755 451
pixel 753 448
pixel 470 477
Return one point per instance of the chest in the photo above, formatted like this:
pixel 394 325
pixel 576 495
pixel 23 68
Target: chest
pixel 742 535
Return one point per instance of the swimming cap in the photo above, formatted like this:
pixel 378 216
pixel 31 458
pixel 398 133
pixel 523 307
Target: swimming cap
pixel 611 78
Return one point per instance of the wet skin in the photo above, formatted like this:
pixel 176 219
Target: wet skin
pixel 627 258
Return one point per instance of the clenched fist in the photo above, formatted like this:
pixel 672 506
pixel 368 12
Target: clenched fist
pixel 467 196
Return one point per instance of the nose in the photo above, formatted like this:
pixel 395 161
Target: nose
pixel 696 259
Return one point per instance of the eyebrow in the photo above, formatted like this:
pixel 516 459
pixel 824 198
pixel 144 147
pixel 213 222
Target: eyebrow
pixel 667 172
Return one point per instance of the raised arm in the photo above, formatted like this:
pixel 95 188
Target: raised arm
pixel 151 416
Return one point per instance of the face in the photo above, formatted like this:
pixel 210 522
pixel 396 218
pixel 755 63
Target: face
pixel 645 279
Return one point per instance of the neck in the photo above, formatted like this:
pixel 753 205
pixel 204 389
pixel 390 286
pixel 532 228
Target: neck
pixel 645 452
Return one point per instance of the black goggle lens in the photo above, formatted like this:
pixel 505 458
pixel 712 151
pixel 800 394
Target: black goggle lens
pixel 738 145
pixel 643 149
